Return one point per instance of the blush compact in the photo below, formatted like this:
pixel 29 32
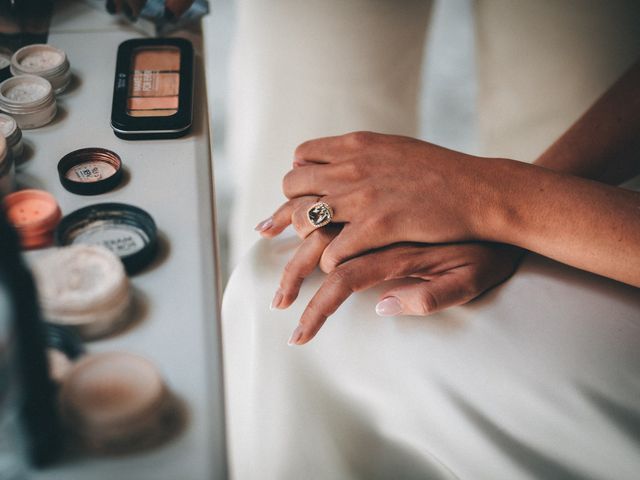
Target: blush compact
pixel 153 89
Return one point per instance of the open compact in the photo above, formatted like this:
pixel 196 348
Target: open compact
pixel 127 231
pixel 90 171
pixel 153 90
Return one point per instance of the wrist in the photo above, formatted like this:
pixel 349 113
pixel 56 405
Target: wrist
pixel 501 199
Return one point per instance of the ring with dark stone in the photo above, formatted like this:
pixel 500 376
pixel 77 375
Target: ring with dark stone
pixel 320 214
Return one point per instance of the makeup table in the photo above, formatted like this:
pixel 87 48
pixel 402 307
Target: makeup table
pixel 176 324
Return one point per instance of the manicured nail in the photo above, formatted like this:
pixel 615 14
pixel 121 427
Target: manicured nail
pixel 264 225
pixel 388 307
pixel 295 336
pixel 277 298
pixel 111 7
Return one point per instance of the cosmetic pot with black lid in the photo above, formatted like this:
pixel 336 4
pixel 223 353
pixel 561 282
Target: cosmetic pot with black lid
pixel 153 89
pixel 90 171
pixel 127 231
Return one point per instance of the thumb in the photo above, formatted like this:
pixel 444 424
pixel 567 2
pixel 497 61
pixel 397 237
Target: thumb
pixel 424 297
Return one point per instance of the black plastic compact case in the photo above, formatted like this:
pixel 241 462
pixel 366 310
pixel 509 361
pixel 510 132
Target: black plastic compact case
pixel 153 89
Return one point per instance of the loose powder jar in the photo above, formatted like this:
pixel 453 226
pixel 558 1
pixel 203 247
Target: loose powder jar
pixel 45 61
pixel 90 171
pixel 7 169
pixel 127 231
pixel 85 287
pixel 12 133
pixel 29 100
pixel 34 214
pixel 117 402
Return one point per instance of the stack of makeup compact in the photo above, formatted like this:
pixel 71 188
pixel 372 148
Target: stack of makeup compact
pixel 114 401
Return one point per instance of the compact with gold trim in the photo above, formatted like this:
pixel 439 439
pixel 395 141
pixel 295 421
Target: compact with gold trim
pixel 153 89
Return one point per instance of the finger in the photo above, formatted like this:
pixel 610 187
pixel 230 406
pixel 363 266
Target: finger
pixel 351 241
pixel 301 265
pixel 352 276
pixel 281 219
pixel 300 214
pixel 176 8
pixel 424 297
pixel 318 150
pixel 308 180
pixel 337 149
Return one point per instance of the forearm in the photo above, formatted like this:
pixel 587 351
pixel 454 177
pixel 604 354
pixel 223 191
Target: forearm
pixel 586 224
pixel 604 143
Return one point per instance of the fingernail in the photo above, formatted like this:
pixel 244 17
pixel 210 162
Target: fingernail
pixel 264 225
pixel 295 336
pixel 277 298
pixel 168 15
pixel 388 307
pixel 111 7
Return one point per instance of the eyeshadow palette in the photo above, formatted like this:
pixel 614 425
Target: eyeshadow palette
pixel 153 89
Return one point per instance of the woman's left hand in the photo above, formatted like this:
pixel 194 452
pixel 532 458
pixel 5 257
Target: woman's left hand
pixel 387 189
pixel 433 277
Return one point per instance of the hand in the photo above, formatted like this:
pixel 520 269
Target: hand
pixel 434 278
pixel 387 189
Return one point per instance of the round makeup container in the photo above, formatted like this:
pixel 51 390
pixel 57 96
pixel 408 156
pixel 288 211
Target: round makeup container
pixel 84 287
pixel 90 171
pixel 12 133
pixel 127 231
pixel 29 100
pixel 45 61
pixel 5 63
pixel 7 169
pixel 116 402
pixel 34 214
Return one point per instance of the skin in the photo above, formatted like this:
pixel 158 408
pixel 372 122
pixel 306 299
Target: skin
pixel 423 194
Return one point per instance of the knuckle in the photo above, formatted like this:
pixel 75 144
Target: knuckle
pixel 314 314
pixel 288 183
pixel 300 225
pixel 329 262
pixel 338 277
pixel 428 302
pixel 302 150
pixel 360 139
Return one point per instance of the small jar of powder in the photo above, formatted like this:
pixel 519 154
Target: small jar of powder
pixel 12 133
pixel 29 100
pixel 45 61
pixel 118 402
pixel 84 287
pixel 7 169
pixel 34 214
